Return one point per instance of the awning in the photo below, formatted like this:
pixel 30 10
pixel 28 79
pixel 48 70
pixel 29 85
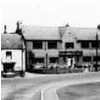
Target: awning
pixel 55 54
pixel 40 55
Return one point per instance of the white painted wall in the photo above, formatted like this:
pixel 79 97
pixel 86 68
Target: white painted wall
pixel 16 57
pixel 24 60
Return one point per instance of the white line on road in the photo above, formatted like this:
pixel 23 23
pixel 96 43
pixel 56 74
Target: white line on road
pixel 49 91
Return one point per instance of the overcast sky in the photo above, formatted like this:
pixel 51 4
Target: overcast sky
pixel 78 13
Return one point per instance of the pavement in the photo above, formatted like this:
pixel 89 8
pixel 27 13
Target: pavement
pixel 40 87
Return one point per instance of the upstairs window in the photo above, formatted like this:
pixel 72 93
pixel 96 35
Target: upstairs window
pixel 85 44
pixel 39 60
pixel 37 44
pixel 52 44
pixel 95 44
pixel 96 58
pixel 69 45
pixel 86 58
pixel 9 54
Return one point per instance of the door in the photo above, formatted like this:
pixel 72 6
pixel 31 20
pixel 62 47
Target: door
pixel 70 62
pixel 8 67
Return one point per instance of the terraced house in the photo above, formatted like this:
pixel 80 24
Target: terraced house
pixel 63 46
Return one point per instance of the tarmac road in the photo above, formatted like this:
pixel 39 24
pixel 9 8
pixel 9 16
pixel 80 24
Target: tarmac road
pixel 25 88
pixel 51 92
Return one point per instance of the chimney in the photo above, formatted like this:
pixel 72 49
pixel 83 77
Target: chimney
pixel 98 27
pixel 5 29
pixel 67 25
pixel 18 28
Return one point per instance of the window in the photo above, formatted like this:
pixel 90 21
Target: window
pixel 85 44
pixel 53 60
pixel 52 44
pixel 95 44
pixel 96 58
pixel 86 58
pixel 37 44
pixel 9 54
pixel 69 45
pixel 39 60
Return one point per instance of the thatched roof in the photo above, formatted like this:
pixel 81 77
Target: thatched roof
pixel 11 41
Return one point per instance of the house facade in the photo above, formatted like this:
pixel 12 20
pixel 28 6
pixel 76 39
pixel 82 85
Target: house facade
pixel 12 53
pixel 82 45
pixel 67 46
pixel 42 45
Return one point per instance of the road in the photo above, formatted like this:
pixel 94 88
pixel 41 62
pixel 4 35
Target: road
pixel 26 88
pixel 50 91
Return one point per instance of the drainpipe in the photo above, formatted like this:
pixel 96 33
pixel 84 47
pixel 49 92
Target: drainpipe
pixel 96 52
pixel 46 55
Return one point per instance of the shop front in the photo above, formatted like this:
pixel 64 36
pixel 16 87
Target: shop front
pixel 69 59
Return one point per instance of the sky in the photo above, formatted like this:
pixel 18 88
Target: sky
pixel 76 13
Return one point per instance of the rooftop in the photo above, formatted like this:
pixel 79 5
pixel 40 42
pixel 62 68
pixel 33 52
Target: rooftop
pixel 55 33
pixel 80 33
pixel 40 32
pixel 11 41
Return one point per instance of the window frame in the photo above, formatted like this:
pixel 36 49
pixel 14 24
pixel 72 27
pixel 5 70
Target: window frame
pixel 9 54
pixel 70 46
pixel 96 58
pixel 95 45
pixel 38 60
pixel 85 43
pixel 51 43
pixel 88 57
pixel 37 44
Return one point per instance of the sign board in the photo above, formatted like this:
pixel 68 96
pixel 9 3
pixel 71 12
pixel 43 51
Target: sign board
pixel 70 53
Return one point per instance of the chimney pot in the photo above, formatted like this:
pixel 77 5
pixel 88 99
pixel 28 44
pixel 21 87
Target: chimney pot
pixel 67 25
pixel 5 29
pixel 18 28
pixel 98 27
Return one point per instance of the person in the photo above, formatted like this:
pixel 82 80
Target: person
pixel 86 68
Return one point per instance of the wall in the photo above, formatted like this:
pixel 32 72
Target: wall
pixel 16 57
pixel 42 52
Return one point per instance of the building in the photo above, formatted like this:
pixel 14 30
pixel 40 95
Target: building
pixel 42 45
pixel 81 44
pixel 12 53
pixel 65 45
